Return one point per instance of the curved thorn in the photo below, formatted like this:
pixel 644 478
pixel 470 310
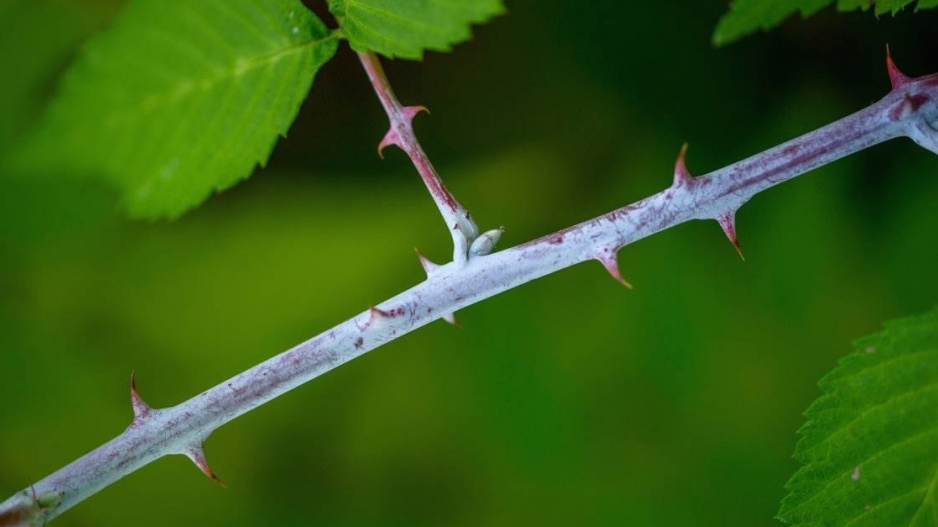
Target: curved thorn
pixel 681 175
pixel 727 222
pixel 410 111
pixel 197 454
pixel 612 265
pixel 428 266
pixel 390 138
pixel 141 408
pixel 896 77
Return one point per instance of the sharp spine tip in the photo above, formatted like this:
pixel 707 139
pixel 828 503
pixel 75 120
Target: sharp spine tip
pixel 681 175
pixel 727 222
pixel 428 266
pixel 896 77
pixel 197 455
pixel 409 112
pixel 390 138
pixel 612 266
pixel 141 408
pixel 451 318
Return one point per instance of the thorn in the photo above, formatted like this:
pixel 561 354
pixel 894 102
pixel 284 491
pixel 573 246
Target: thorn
pixel 428 266
pixel 141 408
pixel 612 265
pixel 375 312
pixel 896 77
pixel 389 139
pixel 197 455
pixel 681 175
pixel 410 111
pixel 392 137
pixel 727 222
pixel 451 318
pixel 374 315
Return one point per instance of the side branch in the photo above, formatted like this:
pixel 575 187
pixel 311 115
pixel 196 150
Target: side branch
pixel 401 133
pixel 910 110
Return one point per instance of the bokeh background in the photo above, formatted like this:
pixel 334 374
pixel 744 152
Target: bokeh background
pixel 568 401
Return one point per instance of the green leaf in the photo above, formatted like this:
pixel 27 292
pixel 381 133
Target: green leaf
pixel 869 447
pixel 405 28
pixel 748 16
pixel 179 99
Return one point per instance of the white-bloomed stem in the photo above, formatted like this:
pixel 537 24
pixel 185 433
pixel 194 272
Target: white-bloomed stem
pixel 909 110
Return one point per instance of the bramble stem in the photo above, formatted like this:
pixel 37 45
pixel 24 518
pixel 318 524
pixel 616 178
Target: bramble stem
pixel 910 109
pixel 401 133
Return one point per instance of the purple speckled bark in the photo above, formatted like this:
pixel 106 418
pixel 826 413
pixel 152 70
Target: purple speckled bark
pixel 910 109
pixel 401 134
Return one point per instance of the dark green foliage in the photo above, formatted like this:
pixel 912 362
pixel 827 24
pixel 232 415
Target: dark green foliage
pixel 870 445
pixel 749 16
pixel 180 99
pixel 405 28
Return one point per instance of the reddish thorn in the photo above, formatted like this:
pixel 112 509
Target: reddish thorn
pixel 141 408
pixel 375 312
pixel 410 111
pixel 612 265
pixel 389 139
pixel 681 175
pixel 197 455
pixel 896 77
pixel 427 265
pixel 727 222
pixel 451 318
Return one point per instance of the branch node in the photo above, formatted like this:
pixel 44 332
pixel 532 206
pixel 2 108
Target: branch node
pixel 727 222
pixel 451 318
pixel 460 246
pixel 486 242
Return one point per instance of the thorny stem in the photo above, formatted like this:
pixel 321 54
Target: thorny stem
pixel 910 109
pixel 401 133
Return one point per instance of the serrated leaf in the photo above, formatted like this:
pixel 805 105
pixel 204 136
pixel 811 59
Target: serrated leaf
pixel 179 99
pixel 748 16
pixel 405 28
pixel 869 447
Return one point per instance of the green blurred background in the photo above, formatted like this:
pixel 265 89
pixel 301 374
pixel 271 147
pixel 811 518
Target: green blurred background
pixel 567 401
